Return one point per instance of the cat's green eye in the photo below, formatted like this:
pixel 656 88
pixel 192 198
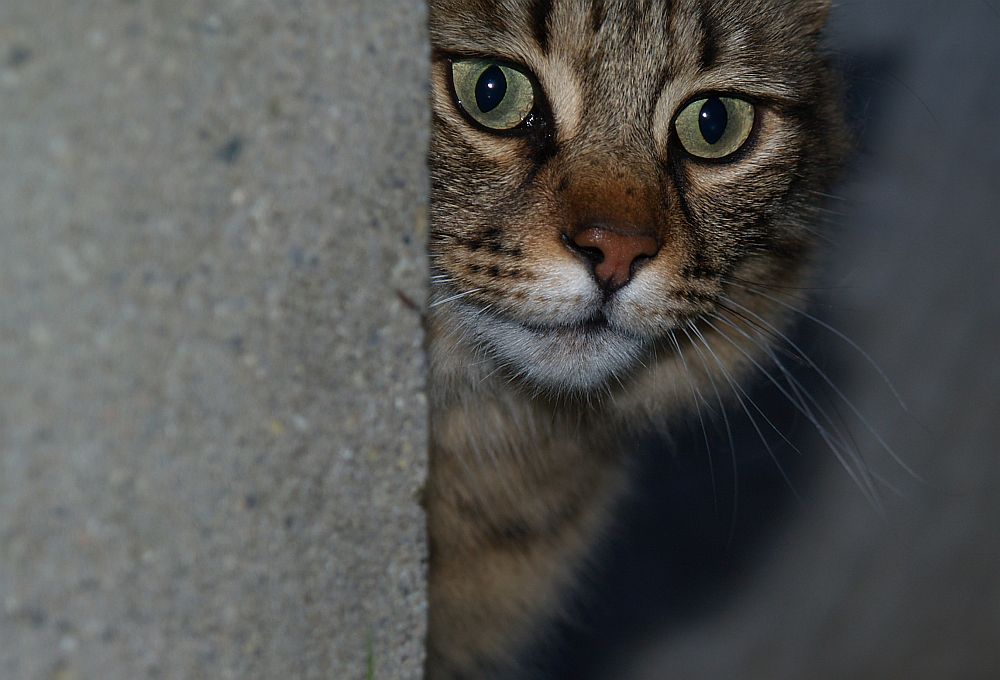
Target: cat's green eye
pixel 495 95
pixel 715 127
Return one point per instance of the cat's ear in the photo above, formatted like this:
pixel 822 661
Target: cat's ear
pixel 814 13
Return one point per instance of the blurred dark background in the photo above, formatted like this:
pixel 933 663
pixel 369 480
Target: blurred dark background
pixel 807 578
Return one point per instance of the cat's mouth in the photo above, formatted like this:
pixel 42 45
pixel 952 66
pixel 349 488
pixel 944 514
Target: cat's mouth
pixel 582 355
pixel 598 323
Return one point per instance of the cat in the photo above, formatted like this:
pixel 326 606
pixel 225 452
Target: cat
pixel 615 187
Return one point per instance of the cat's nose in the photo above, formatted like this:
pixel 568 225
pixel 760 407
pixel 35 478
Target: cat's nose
pixel 614 253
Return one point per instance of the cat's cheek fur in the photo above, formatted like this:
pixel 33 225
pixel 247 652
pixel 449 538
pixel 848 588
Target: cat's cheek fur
pixel 560 292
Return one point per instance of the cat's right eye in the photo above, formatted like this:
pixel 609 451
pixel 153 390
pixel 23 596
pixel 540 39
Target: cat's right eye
pixel 493 94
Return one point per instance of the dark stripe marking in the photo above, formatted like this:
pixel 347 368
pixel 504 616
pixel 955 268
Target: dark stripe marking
pixel 540 22
pixel 709 40
pixel 598 13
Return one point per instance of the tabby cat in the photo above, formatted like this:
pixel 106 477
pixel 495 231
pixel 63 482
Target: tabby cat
pixel 615 186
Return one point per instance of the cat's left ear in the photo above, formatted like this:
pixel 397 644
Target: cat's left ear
pixel 814 13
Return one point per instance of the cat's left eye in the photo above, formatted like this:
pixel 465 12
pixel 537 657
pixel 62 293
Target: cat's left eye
pixel 495 95
pixel 715 127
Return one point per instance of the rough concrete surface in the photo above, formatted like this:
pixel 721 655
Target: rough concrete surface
pixel 212 425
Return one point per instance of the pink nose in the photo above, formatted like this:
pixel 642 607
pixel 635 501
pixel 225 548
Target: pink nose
pixel 613 253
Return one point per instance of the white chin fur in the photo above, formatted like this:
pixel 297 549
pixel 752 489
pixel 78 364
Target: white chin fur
pixel 560 359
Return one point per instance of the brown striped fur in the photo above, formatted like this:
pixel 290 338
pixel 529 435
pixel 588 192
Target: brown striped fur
pixel 536 375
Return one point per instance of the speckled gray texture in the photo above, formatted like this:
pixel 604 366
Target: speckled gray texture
pixel 212 424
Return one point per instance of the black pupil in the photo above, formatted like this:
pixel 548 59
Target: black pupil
pixel 713 120
pixel 491 89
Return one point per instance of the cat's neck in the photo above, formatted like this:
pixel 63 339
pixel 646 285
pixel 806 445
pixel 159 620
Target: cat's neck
pixel 484 415
pixel 520 485
pixel 508 439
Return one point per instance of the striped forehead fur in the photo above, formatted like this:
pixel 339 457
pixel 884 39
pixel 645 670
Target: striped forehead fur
pixel 762 46
pixel 709 21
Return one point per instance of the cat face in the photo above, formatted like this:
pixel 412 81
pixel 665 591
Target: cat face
pixel 601 171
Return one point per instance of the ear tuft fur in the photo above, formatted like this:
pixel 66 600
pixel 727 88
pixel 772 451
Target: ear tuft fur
pixel 814 13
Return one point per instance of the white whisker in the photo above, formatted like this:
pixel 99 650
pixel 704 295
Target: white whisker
pixel 738 391
pixel 455 297
pixel 858 471
pixel 698 398
pixel 854 409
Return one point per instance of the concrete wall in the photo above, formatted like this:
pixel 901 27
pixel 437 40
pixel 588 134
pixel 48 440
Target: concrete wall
pixel 212 425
